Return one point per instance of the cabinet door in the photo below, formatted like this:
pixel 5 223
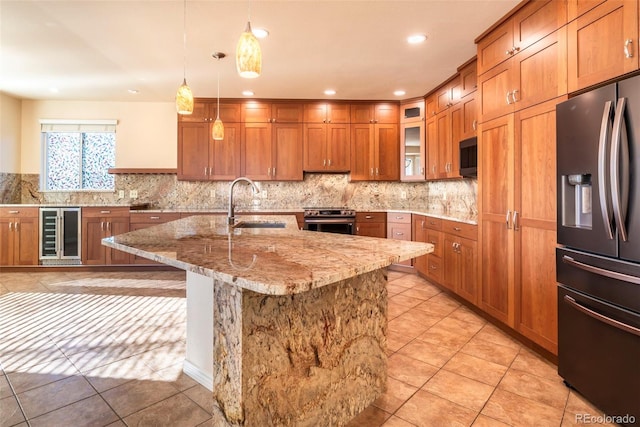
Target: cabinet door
pixel 443 98
pixel 495 92
pixel 93 230
pixel 315 112
pixel 257 151
pixel 451 262
pixel 372 229
pixel 256 112
pixel 338 113
pixel 603 44
pixel 432 148
pixel 430 106
pixel 400 231
pixel 445 147
pixel 412 151
pixel 535 228
pixel 193 151
pixel 362 158
pixel 468 79
pixel 387 155
pixel 469 116
pixel 201 113
pixel 225 161
pixel 315 156
pixel 536 20
pixel 229 112
pixel 362 113
pixel 494 48
pixel 6 241
pixel 420 235
pixel 540 71
pixel 117 225
pixel 26 242
pixel 496 199
pixel 287 152
pixel 338 147
pixel 286 113
pixel 580 7
pixel 457 125
pixel 386 113
pixel 467 284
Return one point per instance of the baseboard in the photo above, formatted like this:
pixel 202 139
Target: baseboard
pixel 198 375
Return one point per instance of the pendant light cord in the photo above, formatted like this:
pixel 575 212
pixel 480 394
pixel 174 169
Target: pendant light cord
pixel 218 115
pixel 184 41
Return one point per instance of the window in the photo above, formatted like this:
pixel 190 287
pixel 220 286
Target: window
pixel 76 155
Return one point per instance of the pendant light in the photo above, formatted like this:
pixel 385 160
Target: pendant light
pixel 218 128
pixel 248 53
pixel 184 96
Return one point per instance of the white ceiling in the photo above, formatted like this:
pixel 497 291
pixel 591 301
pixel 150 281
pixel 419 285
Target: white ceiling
pixel 98 49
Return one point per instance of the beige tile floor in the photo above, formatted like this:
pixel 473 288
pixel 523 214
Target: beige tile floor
pixel 104 349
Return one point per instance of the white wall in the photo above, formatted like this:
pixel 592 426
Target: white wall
pixel 10 125
pixel 146 135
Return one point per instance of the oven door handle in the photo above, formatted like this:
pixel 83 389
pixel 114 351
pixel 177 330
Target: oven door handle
pixel 330 221
pixel 601 271
pixel 602 318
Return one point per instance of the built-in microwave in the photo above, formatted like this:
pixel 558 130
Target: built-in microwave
pixel 469 157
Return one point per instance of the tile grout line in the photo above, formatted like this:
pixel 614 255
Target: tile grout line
pixel 15 395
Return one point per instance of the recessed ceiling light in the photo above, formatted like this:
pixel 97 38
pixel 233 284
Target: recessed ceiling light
pixel 399 92
pixel 329 92
pixel 416 38
pixel 53 90
pixel 260 33
pixel 133 91
pixel 247 92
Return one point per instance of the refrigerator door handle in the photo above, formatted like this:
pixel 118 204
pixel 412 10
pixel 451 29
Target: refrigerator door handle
pixel 601 271
pixel 605 200
pixel 602 318
pixel 619 169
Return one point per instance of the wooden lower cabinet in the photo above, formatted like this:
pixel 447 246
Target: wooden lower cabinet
pixel 517 206
pixel 461 267
pixel 18 236
pixel 98 223
pixel 372 224
pixel 399 228
pixel 138 221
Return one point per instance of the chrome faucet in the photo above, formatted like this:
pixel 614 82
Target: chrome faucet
pixel 254 188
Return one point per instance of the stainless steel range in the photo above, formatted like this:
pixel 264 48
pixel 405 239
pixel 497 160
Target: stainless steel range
pixel 332 220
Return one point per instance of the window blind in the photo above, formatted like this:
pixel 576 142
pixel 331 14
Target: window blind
pixel 54 125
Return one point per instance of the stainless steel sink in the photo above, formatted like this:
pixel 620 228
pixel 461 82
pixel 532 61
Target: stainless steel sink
pixel 259 224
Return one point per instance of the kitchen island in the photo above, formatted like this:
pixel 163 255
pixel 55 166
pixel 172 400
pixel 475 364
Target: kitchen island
pixel 286 327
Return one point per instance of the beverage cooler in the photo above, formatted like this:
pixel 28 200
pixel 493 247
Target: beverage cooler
pixel 60 242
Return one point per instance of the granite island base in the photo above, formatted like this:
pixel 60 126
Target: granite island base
pixel 286 327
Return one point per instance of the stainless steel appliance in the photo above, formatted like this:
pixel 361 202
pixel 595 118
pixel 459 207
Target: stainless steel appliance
pixel 60 238
pixel 598 269
pixel 332 220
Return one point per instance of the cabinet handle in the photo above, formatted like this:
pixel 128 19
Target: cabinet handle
pixel 377 171
pixel 10 226
pixel 433 169
pixel 509 52
pixel 432 222
pixel 508 98
pixel 154 217
pixel 399 217
pixel 14 212
pixel 105 212
pixel 108 226
pixel 457 229
pixel 357 229
pixel 102 225
pixel 368 216
pixel 516 227
pixel 513 95
pixel 274 171
pixel 398 233
pixel 269 171
pixel 421 171
pixel 324 162
pixel 16 227
pixel 433 242
pixel 628 53
pixel 371 171
pixel 422 224
pixel 474 125
pixel 508 219
pixel 210 170
pixel 329 162
pixel 433 267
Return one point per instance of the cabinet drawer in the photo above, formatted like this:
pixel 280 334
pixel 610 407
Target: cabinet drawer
pixel 362 217
pixel 399 218
pixel 434 268
pixel 150 218
pixel 399 231
pixel 111 211
pixel 18 212
pixel 432 223
pixel 469 231
pixel 435 238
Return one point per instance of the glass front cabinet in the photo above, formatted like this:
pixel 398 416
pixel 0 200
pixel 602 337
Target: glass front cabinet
pixel 412 141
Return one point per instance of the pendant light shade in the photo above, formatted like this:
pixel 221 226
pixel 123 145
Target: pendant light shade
pixel 248 55
pixel 217 133
pixel 184 96
pixel 184 99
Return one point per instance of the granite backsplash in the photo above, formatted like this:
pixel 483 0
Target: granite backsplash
pixel 163 191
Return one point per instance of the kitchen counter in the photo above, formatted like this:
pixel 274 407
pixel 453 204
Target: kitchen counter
pixel 285 327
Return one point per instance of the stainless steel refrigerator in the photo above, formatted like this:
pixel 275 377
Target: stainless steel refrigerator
pixel 598 261
pixel 60 236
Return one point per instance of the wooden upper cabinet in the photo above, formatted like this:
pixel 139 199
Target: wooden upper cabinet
pixel 326 147
pixel 322 112
pixel 430 106
pixel 576 8
pixel 229 112
pixel 448 94
pixel 412 111
pixel 193 151
pixel 206 110
pixel 286 113
pixel 529 24
pixel 603 43
pixel 267 112
pixel 256 112
pixel 468 77
pixel 384 112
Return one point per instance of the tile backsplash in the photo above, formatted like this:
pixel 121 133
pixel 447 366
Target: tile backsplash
pixel 456 198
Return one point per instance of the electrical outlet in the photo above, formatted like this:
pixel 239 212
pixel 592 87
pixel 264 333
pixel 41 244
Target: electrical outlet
pixel 121 194
pixel 403 194
pixel 133 194
pixel 212 194
pixel 264 194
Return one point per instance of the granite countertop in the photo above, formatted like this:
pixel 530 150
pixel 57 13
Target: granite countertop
pixel 273 261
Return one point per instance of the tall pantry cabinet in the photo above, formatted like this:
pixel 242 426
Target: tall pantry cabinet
pixel 522 76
